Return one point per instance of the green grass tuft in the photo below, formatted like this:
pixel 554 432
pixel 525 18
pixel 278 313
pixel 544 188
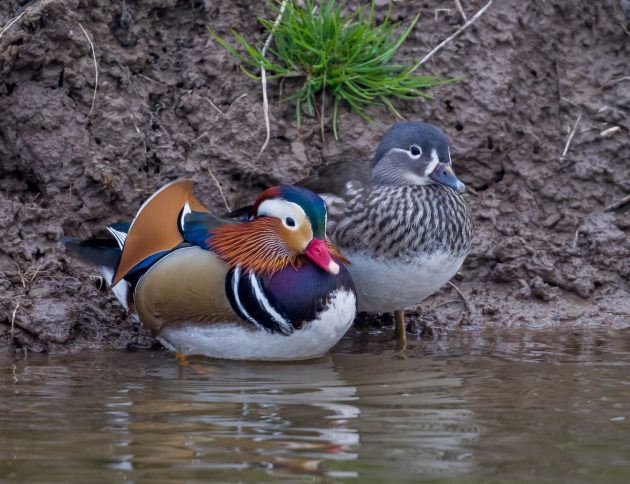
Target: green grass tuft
pixel 348 56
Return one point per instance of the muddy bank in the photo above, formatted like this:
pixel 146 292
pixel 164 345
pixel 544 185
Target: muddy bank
pixel 170 103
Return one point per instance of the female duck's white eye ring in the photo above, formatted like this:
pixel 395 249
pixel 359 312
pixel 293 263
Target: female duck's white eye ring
pixel 415 151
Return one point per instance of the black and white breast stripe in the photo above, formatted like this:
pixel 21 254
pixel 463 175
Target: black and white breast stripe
pixel 251 302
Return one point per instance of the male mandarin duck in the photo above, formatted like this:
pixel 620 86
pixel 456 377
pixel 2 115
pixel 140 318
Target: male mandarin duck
pixel 272 287
pixel 401 220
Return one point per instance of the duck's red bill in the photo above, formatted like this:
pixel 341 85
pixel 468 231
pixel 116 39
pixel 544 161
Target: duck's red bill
pixel 318 252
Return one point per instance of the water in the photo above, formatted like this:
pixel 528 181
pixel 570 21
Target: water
pixel 469 407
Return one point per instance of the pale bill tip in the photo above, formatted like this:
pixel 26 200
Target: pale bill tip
pixel 333 267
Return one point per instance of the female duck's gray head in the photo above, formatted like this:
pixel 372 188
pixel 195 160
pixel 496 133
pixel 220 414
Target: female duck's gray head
pixel 413 153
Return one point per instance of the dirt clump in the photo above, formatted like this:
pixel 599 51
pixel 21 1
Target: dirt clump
pixel 551 246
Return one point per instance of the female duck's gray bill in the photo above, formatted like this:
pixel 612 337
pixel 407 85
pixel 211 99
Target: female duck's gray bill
pixel 444 175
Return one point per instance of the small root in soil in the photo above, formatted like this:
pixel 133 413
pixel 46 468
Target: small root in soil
pixel 263 78
pixel 452 36
pixel 618 204
pixel 227 206
pixel 464 298
pixel 18 305
pixel 87 36
pixel 28 277
pixel 458 4
pixel 11 22
pixel 570 138
pixel 218 110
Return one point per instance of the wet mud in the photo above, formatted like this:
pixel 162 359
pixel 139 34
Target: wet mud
pixel 551 246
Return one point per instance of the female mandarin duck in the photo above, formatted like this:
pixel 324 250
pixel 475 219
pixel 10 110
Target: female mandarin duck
pixel 266 288
pixel 401 220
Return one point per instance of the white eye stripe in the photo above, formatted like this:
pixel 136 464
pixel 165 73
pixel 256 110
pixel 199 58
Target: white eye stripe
pixel 401 150
pixel 434 162
pixel 283 209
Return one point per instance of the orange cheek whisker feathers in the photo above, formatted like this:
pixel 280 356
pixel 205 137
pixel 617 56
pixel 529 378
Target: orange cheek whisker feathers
pixel 335 252
pixel 256 245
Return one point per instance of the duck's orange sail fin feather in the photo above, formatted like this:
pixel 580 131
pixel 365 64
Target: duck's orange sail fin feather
pixel 155 227
pixel 196 205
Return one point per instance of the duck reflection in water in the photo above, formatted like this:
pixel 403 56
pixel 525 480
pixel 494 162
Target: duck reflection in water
pixel 316 417
pixel 282 418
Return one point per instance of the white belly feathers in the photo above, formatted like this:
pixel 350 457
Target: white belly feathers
pixel 384 285
pixel 234 341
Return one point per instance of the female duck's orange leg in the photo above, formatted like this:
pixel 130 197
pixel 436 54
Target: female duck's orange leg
pixel 400 332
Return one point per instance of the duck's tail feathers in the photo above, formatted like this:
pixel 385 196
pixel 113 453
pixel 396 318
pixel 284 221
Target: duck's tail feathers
pixel 98 252
pixel 104 253
pixel 119 231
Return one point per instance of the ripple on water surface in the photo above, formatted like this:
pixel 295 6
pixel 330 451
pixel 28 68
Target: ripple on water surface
pixel 509 405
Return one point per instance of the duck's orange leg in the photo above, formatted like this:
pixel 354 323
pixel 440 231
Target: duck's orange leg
pixel 400 333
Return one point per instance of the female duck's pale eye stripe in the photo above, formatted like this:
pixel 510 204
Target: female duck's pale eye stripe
pixel 434 162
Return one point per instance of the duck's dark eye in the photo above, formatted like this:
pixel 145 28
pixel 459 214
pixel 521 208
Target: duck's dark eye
pixel 415 150
pixel 289 222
